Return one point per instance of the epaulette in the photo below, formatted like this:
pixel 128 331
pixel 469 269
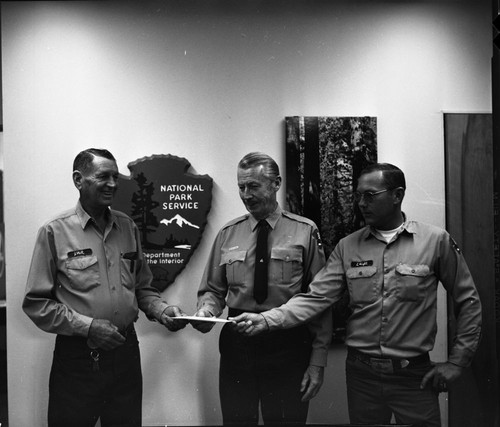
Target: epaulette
pixel 298 218
pixel 235 221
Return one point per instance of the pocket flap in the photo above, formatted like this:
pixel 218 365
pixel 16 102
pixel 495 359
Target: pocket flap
pixel 287 254
pixel 81 263
pixel 360 272
pixel 420 270
pixel 233 256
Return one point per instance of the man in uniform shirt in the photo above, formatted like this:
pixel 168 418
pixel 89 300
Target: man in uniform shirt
pixel 282 370
pixel 87 280
pixel 391 268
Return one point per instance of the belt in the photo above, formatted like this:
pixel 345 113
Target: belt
pixel 387 364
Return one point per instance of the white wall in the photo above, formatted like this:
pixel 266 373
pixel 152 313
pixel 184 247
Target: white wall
pixel 209 81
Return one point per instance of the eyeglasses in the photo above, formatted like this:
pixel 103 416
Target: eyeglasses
pixel 368 195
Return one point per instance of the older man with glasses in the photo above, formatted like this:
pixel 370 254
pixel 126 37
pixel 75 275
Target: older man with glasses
pixel 391 268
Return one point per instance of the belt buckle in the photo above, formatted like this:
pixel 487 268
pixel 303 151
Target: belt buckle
pixel 382 366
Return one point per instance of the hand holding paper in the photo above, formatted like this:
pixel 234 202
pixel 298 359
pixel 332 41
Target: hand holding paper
pixel 203 321
pixel 173 318
pixel 250 324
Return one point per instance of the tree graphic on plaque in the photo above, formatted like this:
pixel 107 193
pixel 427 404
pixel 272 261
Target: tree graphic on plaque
pixel 142 208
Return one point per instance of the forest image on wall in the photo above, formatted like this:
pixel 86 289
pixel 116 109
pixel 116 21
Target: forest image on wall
pixel 324 156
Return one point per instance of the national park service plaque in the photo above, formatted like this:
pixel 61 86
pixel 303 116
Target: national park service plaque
pixel 170 207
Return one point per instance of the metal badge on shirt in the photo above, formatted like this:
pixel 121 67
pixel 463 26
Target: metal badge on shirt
pixel 318 238
pixel 454 245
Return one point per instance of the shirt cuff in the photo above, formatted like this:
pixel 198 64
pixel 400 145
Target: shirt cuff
pixel 319 357
pixel 156 309
pixel 275 321
pixel 81 324
pixel 462 359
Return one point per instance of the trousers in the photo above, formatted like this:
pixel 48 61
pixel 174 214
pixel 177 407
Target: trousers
pixel 265 370
pixel 83 389
pixel 377 390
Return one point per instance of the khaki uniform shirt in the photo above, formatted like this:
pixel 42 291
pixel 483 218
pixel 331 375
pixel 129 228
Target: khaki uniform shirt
pixel 77 274
pixel 296 255
pixel 393 293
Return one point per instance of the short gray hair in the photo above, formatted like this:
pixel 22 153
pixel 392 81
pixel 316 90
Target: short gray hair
pixel 271 169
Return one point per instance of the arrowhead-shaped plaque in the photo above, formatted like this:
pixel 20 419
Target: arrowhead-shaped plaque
pixel 170 207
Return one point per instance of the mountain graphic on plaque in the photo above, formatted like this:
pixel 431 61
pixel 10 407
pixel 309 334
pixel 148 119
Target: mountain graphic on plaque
pixel 170 207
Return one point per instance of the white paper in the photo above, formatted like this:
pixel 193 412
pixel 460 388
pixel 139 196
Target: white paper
pixel 203 319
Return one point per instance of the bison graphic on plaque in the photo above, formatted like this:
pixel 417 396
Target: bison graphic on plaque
pixel 170 207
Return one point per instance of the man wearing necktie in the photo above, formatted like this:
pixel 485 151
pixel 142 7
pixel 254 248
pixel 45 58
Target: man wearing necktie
pixel 391 268
pixel 259 261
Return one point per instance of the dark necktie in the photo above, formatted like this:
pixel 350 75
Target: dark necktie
pixel 261 261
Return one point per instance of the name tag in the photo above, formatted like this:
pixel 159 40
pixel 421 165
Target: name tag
pixel 81 252
pixel 361 263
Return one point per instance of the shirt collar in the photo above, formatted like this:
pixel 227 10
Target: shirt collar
pixel 407 226
pixel 84 217
pixel 271 219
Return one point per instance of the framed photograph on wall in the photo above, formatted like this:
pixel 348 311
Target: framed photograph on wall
pixel 324 156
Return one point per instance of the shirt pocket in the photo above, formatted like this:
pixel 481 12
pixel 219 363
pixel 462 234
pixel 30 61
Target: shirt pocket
pixel 362 284
pixel 235 269
pixel 411 281
pixel 128 264
pixel 83 272
pixel 286 265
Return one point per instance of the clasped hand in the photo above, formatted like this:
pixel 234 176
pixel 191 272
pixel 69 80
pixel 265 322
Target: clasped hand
pixel 103 334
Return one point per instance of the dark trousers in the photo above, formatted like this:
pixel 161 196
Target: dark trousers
pixel 265 370
pixel 374 396
pixel 80 391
